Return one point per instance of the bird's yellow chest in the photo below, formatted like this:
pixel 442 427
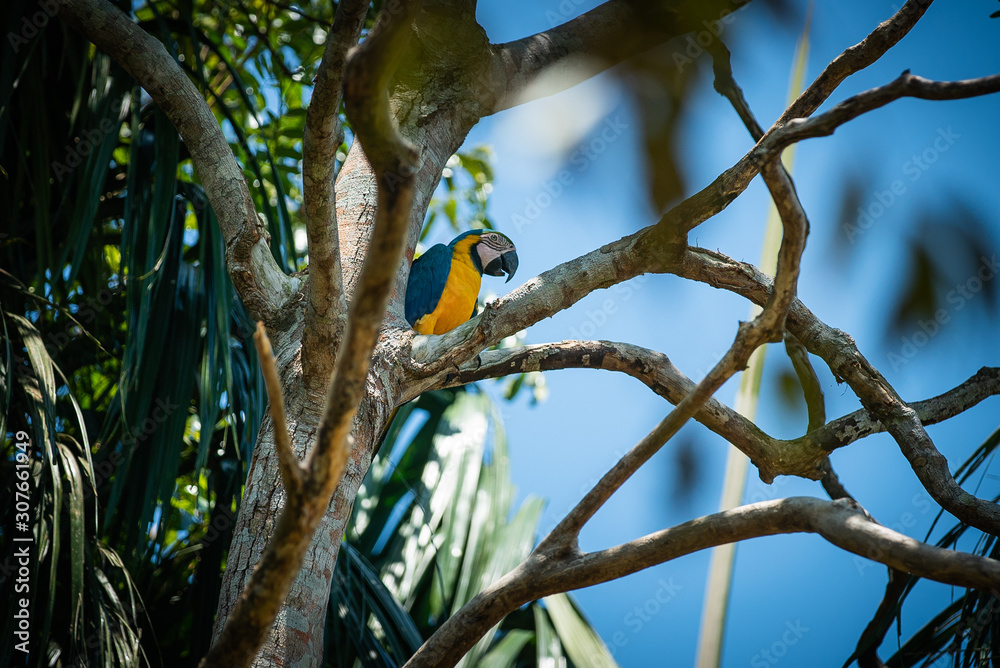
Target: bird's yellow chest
pixel 459 297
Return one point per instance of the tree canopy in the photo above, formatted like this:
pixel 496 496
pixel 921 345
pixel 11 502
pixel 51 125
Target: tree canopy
pixel 191 185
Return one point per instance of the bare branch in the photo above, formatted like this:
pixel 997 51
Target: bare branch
pixel 906 85
pixel 291 471
pixel 771 456
pixel 326 308
pixel 589 44
pixel 720 193
pixel 258 280
pixel 881 401
pixel 854 59
pixel 859 424
pixel 842 523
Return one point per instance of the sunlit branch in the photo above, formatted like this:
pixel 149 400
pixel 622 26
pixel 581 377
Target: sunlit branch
pixel 772 457
pixel 291 471
pixel 842 523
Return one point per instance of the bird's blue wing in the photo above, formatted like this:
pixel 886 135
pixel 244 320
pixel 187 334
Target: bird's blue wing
pixel 425 286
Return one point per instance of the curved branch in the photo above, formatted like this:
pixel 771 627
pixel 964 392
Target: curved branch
pixel 259 282
pixel 859 424
pixel 587 45
pixel 720 193
pixel 905 85
pixel 326 308
pixel 854 59
pixel 771 456
pixel 842 523
pixel 731 183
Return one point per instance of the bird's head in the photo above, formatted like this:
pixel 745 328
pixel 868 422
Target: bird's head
pixel 492 252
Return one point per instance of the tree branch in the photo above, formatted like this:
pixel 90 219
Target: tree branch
pixel 881 401
pixel 772 457
pixel 655 248
pixel 854 59
pixel 859 424
pixel 592 42
pixel 712 199
pixel 842 523
pixel 326 307
pixel 906 85
pixel 800 456
pixel 257 279
pixel 291 470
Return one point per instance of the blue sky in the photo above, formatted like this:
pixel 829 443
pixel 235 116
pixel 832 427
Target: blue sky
pixel 796 596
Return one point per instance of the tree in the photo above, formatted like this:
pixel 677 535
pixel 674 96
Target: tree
pixel 424 75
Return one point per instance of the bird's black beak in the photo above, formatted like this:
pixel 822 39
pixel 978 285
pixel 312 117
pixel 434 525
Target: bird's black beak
pixel 506 263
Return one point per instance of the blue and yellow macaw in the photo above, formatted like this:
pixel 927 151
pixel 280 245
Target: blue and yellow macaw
pixel 444 282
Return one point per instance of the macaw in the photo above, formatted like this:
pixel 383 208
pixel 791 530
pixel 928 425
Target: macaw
pixel 444 282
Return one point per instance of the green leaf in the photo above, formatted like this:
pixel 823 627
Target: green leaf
pixel 583 645
pixel 504 653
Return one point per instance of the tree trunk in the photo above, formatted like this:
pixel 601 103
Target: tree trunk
pixel 297 636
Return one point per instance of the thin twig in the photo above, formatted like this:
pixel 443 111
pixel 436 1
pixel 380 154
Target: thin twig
pixel 291 472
